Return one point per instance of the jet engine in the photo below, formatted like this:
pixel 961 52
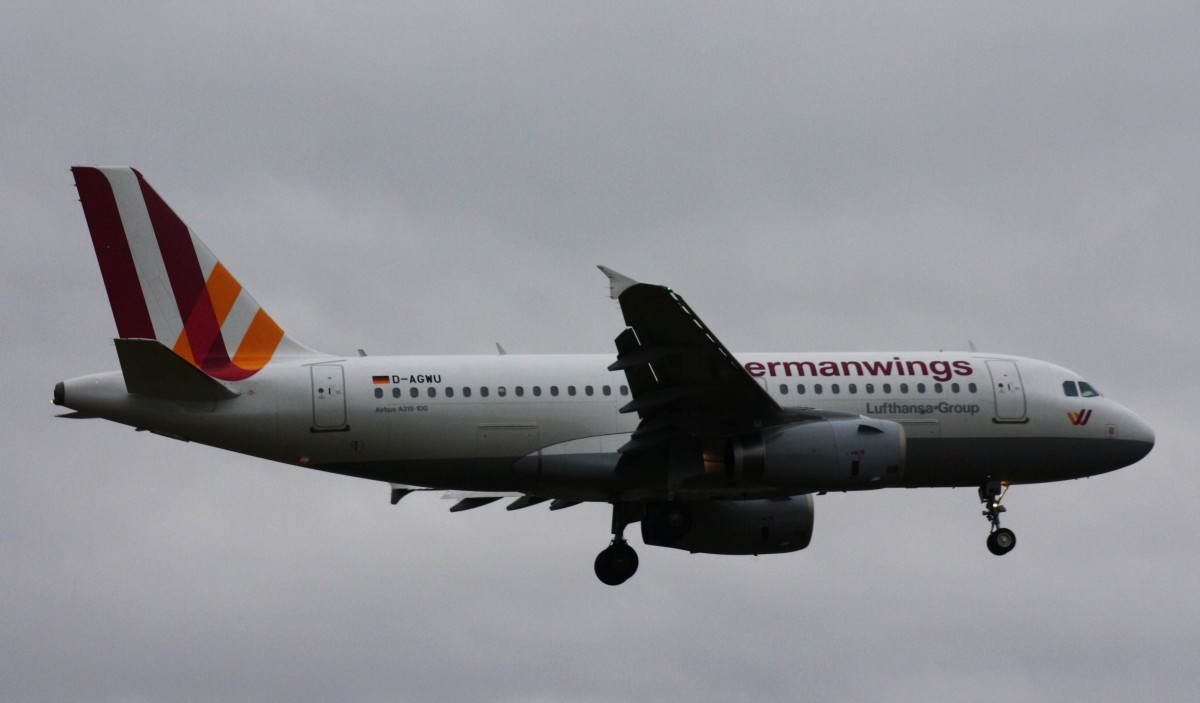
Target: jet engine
pixel 822 455
pixel 732 526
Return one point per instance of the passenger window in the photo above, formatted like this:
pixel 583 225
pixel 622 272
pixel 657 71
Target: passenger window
pixel 1070 389
pixel 537 390
pixel 483 391
pixel 972 387
pixel 835 388
pixel 800 389
pixel 466 391
pixel 501 391
pixel 853 389
pixel 449 392
pixel 783 388
pixel 954 388
pixel 937 388
pixel 570 390
pixel 1086 390
pixel 432 392
pixel 606 390
pixel 588 390
pixel 378 392
pixel 870 388
pixel 624 390
pixel 887 388
pixel 920 387
pixel 396 392
pixel 520 390
pixel 554 391
pixel 904 388
pixel 817 388
pixel 414 392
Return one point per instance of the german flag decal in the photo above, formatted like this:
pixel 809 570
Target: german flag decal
pixel 379 380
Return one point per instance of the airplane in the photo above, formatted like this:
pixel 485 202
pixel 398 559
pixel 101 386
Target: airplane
pixel 712 452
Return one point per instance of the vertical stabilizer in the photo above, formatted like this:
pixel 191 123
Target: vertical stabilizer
pixel 163 283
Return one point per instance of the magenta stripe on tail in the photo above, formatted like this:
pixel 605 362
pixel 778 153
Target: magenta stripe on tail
pixel 112 251
pixel 187 281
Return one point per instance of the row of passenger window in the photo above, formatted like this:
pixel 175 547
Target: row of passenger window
pixel 784 389
pixel 502 391
pixel 869 388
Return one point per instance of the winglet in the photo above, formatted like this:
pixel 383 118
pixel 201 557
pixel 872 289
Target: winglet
pixel 617 283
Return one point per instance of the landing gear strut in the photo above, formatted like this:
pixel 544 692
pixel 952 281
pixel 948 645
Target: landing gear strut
pixel 618 562
pixel 1001 540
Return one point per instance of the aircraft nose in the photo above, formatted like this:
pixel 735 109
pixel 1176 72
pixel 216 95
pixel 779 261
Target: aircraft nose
pixel 1137 431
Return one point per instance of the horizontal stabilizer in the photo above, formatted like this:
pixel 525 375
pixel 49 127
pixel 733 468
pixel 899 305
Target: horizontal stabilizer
pixel 153 370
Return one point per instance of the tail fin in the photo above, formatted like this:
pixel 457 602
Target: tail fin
pixel 164 284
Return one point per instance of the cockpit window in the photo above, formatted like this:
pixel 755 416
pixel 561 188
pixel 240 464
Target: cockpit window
pixel 1070 389
pixel 1086 390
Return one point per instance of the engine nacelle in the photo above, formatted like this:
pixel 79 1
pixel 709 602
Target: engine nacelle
pixel 737 526
pixel 823 455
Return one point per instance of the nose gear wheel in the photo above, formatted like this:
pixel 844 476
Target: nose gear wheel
pixel 1001 540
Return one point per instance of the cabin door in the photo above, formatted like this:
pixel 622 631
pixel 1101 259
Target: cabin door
pixel 1006 386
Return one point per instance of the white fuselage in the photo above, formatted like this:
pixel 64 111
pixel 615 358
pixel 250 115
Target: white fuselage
pixel 551 424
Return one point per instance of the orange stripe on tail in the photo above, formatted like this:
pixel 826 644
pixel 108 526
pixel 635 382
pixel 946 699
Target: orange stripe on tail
pixel 259 344
pixel 223 290
pixel 183 347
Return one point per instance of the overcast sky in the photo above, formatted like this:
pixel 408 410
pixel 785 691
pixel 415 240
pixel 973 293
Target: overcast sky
pixel 438 177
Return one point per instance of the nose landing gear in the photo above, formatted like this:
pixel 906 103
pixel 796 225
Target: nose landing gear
pixel 1001 540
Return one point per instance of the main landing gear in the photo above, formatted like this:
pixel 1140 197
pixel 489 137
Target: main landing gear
pixel 1002 540
pixel 618 562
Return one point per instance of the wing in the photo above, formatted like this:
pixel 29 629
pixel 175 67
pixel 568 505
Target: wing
pixel 682 378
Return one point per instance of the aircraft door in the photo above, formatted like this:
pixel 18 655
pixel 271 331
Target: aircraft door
pixel 1006 385
pixel 329 398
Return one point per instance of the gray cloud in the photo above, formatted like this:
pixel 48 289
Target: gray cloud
pixel 433 178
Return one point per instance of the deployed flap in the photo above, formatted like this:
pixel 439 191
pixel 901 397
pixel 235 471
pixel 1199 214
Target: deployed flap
pixel 151 369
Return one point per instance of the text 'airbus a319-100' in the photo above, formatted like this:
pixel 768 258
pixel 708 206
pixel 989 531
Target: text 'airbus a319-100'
pixel 710 451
